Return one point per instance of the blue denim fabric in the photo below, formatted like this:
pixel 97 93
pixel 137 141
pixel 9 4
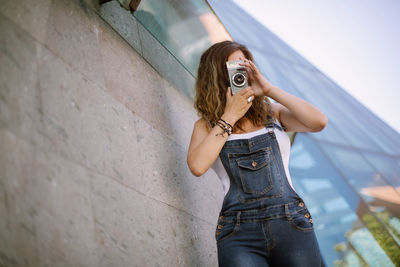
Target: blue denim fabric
pixel 263 221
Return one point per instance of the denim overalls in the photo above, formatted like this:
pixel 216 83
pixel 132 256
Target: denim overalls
pixel 263 221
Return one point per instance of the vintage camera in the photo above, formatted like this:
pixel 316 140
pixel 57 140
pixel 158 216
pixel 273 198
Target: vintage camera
pixel 237 75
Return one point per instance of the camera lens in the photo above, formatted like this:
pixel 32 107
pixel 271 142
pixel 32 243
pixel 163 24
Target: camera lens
pixel 239 79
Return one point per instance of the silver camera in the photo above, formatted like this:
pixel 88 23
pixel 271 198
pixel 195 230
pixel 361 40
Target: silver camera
pixel 237 75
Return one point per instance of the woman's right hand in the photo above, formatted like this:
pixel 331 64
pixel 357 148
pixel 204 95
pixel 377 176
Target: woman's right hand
pixel 237 104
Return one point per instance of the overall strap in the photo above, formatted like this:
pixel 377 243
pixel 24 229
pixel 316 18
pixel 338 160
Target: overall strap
pixel 271 123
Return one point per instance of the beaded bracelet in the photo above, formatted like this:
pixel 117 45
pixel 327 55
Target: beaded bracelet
pixel 227 123
pixel 227 128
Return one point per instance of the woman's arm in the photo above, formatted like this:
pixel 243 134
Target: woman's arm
pixel 204 147
pixel 296 114
pixel 206 144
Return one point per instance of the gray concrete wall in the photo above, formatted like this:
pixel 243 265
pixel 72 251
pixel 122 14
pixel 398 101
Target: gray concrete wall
pixel 93 148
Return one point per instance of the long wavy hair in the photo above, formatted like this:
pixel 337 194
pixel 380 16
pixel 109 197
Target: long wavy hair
pixel 213 81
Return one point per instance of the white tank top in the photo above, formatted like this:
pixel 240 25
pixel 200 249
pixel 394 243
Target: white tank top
pixel 284 146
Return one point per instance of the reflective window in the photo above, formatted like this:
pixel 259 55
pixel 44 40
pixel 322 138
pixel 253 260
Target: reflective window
pixel 324 98
pixel 185 28
pixel 367 180
pixel 373 123
pixel 351 232
pixel 366 125
pixel 387 166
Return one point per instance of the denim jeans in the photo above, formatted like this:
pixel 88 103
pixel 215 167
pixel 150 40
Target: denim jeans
pixel 263 221
pixel 280 235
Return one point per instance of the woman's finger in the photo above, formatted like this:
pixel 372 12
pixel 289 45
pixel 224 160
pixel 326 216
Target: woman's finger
pixel 245 63
pixel 228 93
pixel 244 91
pixel 250 69
pixel 249 93
pixel 253 66
pixel 248 63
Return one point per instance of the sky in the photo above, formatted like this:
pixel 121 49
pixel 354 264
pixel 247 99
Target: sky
pixel 356 43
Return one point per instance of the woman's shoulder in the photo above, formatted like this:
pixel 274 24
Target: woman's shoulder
pixel 276 107
pixel 202 124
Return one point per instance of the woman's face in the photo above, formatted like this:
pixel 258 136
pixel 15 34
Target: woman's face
pixel 237 55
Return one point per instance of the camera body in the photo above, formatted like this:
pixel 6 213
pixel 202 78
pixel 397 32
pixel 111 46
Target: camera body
pixel 237 75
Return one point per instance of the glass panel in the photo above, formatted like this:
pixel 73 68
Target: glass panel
pixel 371 120
pixel 324 97
pixel 344 224
pixel 382 198
pixel 338 211
pixel 364 123
pixel 185 28
pixel 358 172
pixel 387 167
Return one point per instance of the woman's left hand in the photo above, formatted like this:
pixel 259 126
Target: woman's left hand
pixel 261 86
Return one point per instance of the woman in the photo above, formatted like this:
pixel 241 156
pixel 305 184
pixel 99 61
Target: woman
pixel 263 221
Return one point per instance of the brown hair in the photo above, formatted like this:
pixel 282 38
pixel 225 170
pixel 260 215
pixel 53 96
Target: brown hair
pixel 213 81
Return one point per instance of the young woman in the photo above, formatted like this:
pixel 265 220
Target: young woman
pixel 263 221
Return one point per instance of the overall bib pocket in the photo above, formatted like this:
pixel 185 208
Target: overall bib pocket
pixel 257 174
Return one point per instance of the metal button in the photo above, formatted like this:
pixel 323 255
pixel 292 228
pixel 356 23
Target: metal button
pixel 301 204
pixel 254 163
pixel 307 215
pixel 221 217
pixel 310 220
pixel 219 226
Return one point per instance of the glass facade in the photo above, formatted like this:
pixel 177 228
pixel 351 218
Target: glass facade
pixel 349 173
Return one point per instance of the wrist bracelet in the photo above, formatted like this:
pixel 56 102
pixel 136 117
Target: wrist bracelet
pixel 225 128
pixel 223 131
pixel 227 123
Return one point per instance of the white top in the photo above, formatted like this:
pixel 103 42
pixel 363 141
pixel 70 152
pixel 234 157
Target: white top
pixel 284 146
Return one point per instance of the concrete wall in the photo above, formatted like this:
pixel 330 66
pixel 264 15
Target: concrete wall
pixel 93 148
